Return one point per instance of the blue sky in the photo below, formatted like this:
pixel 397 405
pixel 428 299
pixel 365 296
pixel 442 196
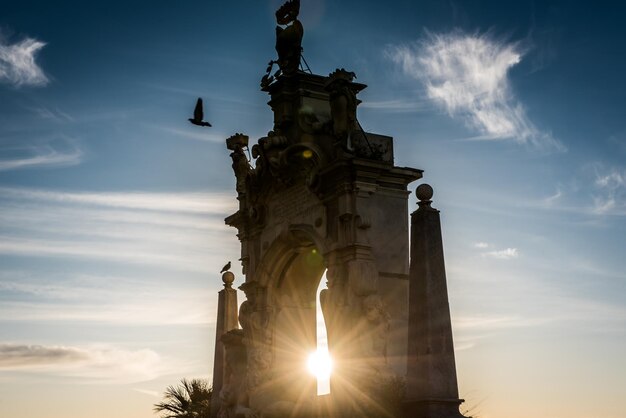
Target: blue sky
pixel 112 204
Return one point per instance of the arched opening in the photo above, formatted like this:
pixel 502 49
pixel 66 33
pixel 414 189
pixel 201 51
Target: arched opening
pixel 320 362
pixel 299 330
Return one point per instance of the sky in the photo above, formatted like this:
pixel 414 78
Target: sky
pixel 112 204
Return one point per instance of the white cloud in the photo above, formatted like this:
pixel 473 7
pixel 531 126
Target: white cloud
pixel 104 299
pixel 551 200
pixel 43 156
pixel 198 134
pixel 37 356
pixel 610 187
pixel 492 322
pixel 54 114
pixel 55 150
pixel 604 187
pixel 468 75
pixel 612 180
pixel 506 254
pixel 396 105
pixel 190 202
pixel 152 393
pixel 481 245
pixel 102 363
pixel 17 63
pixel 179 231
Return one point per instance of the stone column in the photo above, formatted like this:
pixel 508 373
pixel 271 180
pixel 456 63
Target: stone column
pixel 432 390
pixel 227 320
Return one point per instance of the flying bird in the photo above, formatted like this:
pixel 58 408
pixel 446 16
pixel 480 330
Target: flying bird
pixel 225 268
pixel 198 115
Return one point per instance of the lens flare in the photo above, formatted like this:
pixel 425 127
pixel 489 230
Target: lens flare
pixel 320 364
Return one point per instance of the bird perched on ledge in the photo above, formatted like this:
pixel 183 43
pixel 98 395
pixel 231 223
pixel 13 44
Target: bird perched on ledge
pixel 225 268
pixel 198 115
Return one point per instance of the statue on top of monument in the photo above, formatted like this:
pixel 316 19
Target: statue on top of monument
pixel 289 39
pixel 288 42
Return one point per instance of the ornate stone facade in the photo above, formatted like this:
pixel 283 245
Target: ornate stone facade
pixel 319 195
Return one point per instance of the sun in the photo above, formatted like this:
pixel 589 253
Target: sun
pixel 320 364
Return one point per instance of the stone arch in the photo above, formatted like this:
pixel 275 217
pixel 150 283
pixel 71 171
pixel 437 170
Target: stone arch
pixel 279 254
pixel 290 271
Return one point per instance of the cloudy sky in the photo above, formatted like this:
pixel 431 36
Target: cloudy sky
pixel 112 204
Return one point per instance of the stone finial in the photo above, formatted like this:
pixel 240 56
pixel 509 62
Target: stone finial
pixel 237 141
pixel 424 193
pixel 228 278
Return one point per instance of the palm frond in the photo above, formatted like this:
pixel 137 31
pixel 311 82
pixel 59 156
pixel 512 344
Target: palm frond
pixel 190 399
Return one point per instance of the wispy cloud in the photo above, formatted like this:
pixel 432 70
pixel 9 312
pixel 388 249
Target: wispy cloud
pixel 152 393
pixel 492 322
pixel 36 356
pixel 395 105
pixel 610 196
pixel 505 254
pixel 618 140
pixel 552 199
pixel 599 191
pixel 52 113
pixel 468 75
pixel 198 135
pixel 103 299
pixel 180 231
pixel 190 202
pixel 103 363
pixel 43 156
pixel 17 63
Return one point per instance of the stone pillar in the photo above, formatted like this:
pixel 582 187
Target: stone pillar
pixel 227 320
pixel 432 390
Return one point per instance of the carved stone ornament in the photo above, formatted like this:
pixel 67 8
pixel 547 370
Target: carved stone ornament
pixel 257 335
pixel 343 103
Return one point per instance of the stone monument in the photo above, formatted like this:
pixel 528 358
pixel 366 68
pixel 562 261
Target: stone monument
pixel 227 320
pixel 321 195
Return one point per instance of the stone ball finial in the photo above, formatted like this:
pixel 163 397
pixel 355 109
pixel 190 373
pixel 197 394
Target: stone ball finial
pixel 424 192
pixel 228 278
